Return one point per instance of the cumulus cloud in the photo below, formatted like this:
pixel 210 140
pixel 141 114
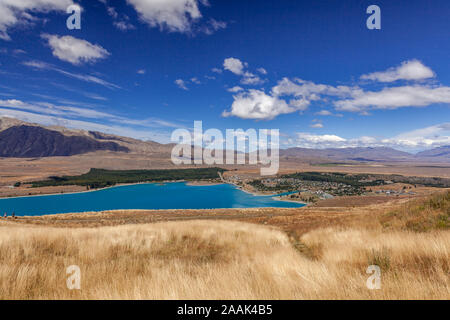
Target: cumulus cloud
pixel 235 89
pixel 429 137
pixel 408 70
pixel 299 104
pixel 251 79
pixel 181 84
pixel 248 105
pixel 302 93
pixel 310 90
pixel 74 50
pixel 328 113
pixel 395 97
pixel 14 12
pixel 234 65
pixel 324 113
pixel 256 104
pixel 355 99
pixel 171 15
pixel 237 67
pixel 316 125
pixel 123 25
pixel 195 80
pixel 119 22
pixel 307 140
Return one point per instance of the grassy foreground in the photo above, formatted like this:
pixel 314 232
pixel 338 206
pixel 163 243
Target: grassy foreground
pixel 213 259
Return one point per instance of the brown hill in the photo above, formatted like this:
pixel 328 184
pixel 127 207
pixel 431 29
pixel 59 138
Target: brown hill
pixel 25 141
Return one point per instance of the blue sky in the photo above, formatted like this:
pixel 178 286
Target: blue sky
pixel 312 69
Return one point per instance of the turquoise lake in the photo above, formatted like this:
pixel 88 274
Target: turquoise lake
pixel 176 195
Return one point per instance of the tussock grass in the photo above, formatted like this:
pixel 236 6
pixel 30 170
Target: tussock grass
pixel 220 260
pixel 421 215
pixel 413 265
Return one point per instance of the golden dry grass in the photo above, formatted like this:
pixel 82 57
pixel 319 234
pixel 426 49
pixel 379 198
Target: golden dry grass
pixel 420 215
pixel 220 260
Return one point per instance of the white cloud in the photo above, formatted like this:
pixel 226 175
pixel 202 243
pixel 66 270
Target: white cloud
pixel 123 25
pixel 234 65
pixel 433 136
pixel 301 93
pixel 171 15
pixel 316 125
pixel 16 12
pixel 248 105
pixel 141 71
pixel 307 140
pixel 47 120
pixel 55 110
pixel 237 67
pixel 255 104
pixel 112 12
pixel 83 77
pixel 94 96
pixel 195 80
pixel 181 84
pixel 212 26
pixel 424 138
pixel 120 23
pixel 262 70
pixel 408 70
pixel 251 79
pixel 73 50
pixel 395 97
pixel 235 89
pixel 299 104
pixel 216 70
pixel 324 113
pixel 48 113
pixel 310 90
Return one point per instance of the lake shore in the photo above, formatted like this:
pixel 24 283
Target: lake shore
pixel 59 190
pixel 166 195
pixel 203 183
pixel 22 192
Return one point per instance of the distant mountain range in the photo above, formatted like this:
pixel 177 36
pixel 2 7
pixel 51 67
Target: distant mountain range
pixel 26 140
pixel 441 152
pixel 376 154
pixel 348 154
